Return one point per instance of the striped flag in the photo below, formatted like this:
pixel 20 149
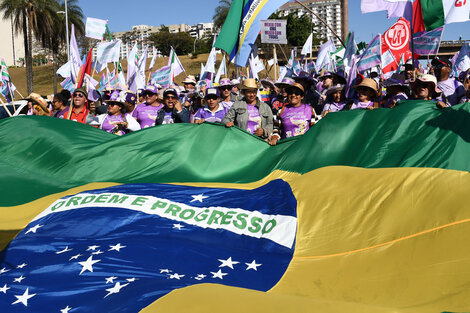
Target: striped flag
pixel 95 28
pixel 162 76
pixel 371 56
pixel 5 74
pixel 387 59
pixel 175 64
pixel 427 43
pixel 107 52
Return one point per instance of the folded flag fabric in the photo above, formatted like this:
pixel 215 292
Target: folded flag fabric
pixel 238 228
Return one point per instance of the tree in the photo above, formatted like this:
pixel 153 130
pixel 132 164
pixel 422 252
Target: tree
pixel 221 12
pixel 163 40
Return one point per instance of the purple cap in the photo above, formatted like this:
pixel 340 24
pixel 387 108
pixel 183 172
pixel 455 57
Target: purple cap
pixel 131 98
pixel 170 90
pixel 225 82
pixel 212 92
pixel 285 81
pixel 151 89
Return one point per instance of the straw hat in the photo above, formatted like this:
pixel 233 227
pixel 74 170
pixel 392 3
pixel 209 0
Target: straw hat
pixel 427 78
pixel 249 83
pixel 190 80
pixel 267 83
pixel 368 83
pixel 298 86
pixel 37 99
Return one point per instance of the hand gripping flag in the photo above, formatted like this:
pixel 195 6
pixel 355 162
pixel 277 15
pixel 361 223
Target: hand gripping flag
pixel 242 26
pixel 241 231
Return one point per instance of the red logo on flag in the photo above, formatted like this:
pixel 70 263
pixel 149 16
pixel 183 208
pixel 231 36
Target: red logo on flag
pixel 396 39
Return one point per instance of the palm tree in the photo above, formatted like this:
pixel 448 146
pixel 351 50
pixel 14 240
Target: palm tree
pixel 221 12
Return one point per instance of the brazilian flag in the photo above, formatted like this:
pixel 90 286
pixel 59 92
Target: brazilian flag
pixel 367 212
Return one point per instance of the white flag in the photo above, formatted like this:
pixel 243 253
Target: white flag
pixel 141 70
pixel 210 65
pixel 64 70
pixel 108 52
pixel 323 57
pixel 201 74
pixel 154 58
pixel 175 64
pixel 95 28
pixel 307 48
pixel 132 69
pixel 222 71
pixel 387 58
pixel 75 60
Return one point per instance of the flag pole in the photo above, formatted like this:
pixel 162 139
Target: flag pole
pixel 19 93
pixel 6 108
pixel 412 47
pixel 323 21
pixel 11 96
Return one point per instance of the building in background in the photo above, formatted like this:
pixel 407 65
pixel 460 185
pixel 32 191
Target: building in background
pixel 202 30
pixel 329 10
pixel 12 47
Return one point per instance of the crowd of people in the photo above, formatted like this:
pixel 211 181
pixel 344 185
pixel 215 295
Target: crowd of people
pixel 290 107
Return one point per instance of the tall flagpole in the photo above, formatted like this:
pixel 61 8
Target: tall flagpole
pixel 67 31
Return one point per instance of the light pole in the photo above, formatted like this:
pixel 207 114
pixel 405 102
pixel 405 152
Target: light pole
pixel 66 29
pixel 194 45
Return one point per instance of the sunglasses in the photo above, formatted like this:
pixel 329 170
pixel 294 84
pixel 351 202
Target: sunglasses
pixel 170 97
pixel 111 104
pixel 78 95
pixel 212 98
pixel 226 88
pixel 295 92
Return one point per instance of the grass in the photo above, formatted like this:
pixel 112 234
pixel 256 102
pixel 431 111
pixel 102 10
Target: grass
pixel 43 75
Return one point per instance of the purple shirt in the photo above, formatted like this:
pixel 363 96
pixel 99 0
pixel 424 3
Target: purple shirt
pixel 146 114
pixel 296 120
pixel 109 124
pixel 333 106
pixel 254 119
pixel 361 105
pixel 452 91
pixel 61 114
pixel 209 116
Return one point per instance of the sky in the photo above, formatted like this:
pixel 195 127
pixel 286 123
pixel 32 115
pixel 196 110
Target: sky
pixel 122 15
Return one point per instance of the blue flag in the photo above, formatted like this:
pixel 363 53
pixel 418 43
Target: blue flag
pixel 121 248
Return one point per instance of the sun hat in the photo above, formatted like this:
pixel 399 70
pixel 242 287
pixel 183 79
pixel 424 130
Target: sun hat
pixel 190 80
pixel 335 88
pixel 151 89
pixel 236 83
pixel 37 99
pixel 427 78
pixel 225 82
pixel 267 83
pixel 286 81
pixel 212 92
pixel 368 83
pixel 117 97
pixel 249 83
pixel 296 85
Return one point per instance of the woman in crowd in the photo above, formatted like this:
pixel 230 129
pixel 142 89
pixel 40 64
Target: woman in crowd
pixel 146 113
pixel 397 90
pixel 116 121
pixel 295 118
pixel 213 112
pixel 335 100
pixel 250 113
pixel 225 90
pixel 366 91
pixel 425 88
pixel 173 111
pixel 281 98
pixel 60 103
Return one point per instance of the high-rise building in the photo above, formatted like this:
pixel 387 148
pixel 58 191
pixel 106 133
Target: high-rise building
pixel 329 10
pixel 12 48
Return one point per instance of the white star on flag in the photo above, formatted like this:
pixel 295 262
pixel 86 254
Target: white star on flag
pixel 110 280
pixel 66 310
pixel 97 252
pixel 88 264
pixel 75 257
pixel 92 248
pixel 116 289
pixel 228 263
pixel 176 276
pixel 3 270
pixel 21 265
pixel 164 271
pixel 24 298
pixel 34 229
pixel 253 265
pixel 218 274
pixel 131 280
pixel 179 226
pixel 199 198
pixel 200 277
pixel 66 249
pixel 117 247
pixel 19 279
pixel 4 288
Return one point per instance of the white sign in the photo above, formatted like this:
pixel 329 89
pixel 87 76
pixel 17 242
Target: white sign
pixel 274 31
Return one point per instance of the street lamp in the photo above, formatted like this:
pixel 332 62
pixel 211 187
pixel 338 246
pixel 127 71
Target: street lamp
pixel 66 29
pixel 194 45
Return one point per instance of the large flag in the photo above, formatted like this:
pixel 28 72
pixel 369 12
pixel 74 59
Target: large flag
pixel 431 14
pixel 307 48
pixel 95 28
pixel 242 26
pixel 394 8
pixel 231 224
pixel 371 56
pixel 324 53
pixel 108 52
pixel 427 43
pixel 396 40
